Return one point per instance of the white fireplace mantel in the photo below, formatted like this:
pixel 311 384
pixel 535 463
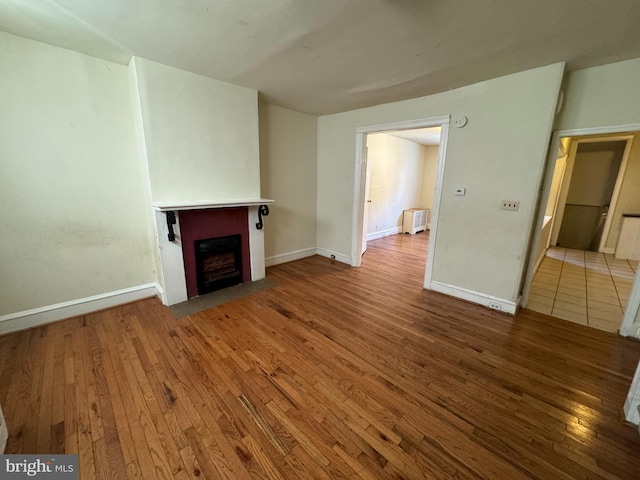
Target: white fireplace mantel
pixel 203 204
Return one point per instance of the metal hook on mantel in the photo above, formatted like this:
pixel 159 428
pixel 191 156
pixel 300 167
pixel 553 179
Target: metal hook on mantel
pixel 262 210
pixel 171 221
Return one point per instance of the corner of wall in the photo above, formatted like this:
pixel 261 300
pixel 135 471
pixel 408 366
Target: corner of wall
pixel 134 91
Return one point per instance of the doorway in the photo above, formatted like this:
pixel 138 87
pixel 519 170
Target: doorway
pixel 361 203
pixel 400 182
pixel 576 270
pixel 590 185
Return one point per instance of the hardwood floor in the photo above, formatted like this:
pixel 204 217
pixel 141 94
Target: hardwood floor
pixel 335 373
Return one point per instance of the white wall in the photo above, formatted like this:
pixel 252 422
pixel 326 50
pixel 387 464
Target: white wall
pixel 608 95
pixel 288 145
pixel 499 155
pixel 629 198
pixel 396 173
pixel 74 219
pixel 200 134
pixel 429 178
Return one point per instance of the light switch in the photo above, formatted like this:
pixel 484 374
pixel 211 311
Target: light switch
pixel 461 192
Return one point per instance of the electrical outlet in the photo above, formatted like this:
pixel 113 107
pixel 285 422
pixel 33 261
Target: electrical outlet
pixel 495 306
pixel 513 205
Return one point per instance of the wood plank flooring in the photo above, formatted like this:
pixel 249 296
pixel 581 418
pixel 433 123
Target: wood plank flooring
pixel 335 373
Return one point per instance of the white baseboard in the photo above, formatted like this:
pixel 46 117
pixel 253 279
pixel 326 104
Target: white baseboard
pixel 383 233
pixel 51 313
pixel 289 257
pixel 506 306
pixel 609 250
pixel 307 252
pixel 339 257
pixel 632 403
pixel 631 409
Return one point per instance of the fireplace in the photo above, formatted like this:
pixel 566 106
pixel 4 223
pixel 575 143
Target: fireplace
pixel 185 231
pixel 216 249
pixel 218 263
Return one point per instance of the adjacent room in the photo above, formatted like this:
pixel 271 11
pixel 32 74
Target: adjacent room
pixel 400 180
pixel 285 240
pixel 589 252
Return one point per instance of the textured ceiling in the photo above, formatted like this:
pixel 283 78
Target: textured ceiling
pixel 326 56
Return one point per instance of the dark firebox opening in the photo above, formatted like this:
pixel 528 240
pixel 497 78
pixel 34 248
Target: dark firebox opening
pixel 218 263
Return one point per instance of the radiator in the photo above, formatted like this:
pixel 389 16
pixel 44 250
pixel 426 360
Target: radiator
pixel 414 220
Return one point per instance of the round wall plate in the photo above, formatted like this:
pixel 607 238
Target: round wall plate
pixel 462 121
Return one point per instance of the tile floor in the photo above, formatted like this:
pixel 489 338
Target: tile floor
pixel 590 288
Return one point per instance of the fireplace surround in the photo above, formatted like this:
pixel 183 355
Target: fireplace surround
pixel 206 228
pixel 190 222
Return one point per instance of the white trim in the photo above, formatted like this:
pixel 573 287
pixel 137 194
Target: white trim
pixel 506 306
pixel 406 125
pixel 628 326
pixel 435 208
pixel 632 403
pixel 365 170
pixel 171 272
pixel 579 132
pixel 339 257
pixel 74 308
pixel 609 250
pixel 290 256
pixel 618 186
pixel 383 233
pixel 359 190
pixel 256 244
pixel 4 432
pixel 203 204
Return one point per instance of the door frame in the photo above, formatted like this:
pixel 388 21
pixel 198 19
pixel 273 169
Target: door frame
pixel 360 180
pixel 367 180
pixel 627 327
